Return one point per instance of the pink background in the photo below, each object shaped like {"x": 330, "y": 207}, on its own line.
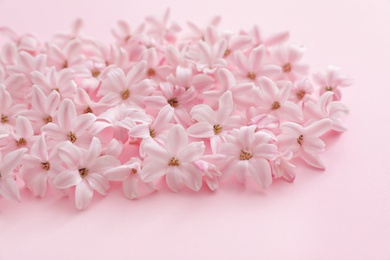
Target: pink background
{"x": 342, "y": 213}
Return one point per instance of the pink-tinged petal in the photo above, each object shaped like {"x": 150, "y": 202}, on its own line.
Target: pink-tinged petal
{"x": 239, "y": 168}
{"x": 338, "y": 126}
{"x": 191, "y": 152}
{"x": 130, "y": 188}
{"x": 52, "y": 102}
{"x": 174, "y": 179}
{"x": 11, "y": 161}
{"x": 140, "y": 131}
{"x": 83, "y": 195}
{"x": 242, "y": 62}
{"x": 70, "y": 154}
{"x": 118, "y": 173}
{"x": 164, "y": 116}
{"x": 23, "y": 127}
{"x": 152, "y": 171}
{"x": 203, "y": 113}
{"x": 39, "y": 185}
{"x": 191, "y": 177}
{"x": 38, "y": 99}
{"x": 157, "y": 152}
{"x": 230, "y": 150}
{"x": 288, "y": 142}
{"x": 313, "y": 160}
{"x": 219, "y": 48}
{"x": 103, "y": 163}
{"x": 39, "y": 149}
{"x": 260, "y": 170}
{"x": 290, "y": 111}
{"x": 319, "y": 128}
{"x": 226, "y": 107}
{"x": 177, "y": 140}
{"x": 94, "y": 151}
{"x": 284, "y": 92}
{"x": 312, "y": 144}
{"x": 292, "y": 128}
{"x": 256, "y": 58}
{"x": 277, "y": 38}
{"x": 66, "y": 114}
{"x": 269, "y": 88}
{"x": 243, "y": 89}
{"x": 201, "y": 130}
{"x": 9, "y": 189}
{"x": 202, "y": 81}
{"x": 54, "y": 131}
{"x": 66, "y": 179}
{"x": 267, "y": 151}
{"x": 295, "y": 53}
{"x": 246, "y": 136}
{"x": 82, "y": 122}
{"x": 98, "y": 183}
{"x": 212, "y": 183}
{"x": 81, "y": 97}
{"x": 98, "y": 126}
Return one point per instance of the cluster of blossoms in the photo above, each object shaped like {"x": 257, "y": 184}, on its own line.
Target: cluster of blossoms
{"x": 191, "y": 109}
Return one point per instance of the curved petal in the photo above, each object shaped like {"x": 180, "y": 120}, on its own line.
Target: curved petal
{"x": 191, "y": 177}
{"x": 140, "y": 131}
{"x": 118, "y": 173}
{"x": 130, "y": 188}
{"x": 201, "y": 130}
{"x": 23, "y": 127}
{"x": 93, "y": 152}
{"x": 83, "y": 195}
{"x": 9, "y": 189}
{"x": 82, "y": 122}
{"x": 177, "y": 139}
{"x": 66, "y": 179}
{"x": 226, "y": 107}
{"x": 256, "y": 58}
{"x": 319, "y": 128}
{"x": 39, "y": 184}
{"x": 267, "y": 151}
{"x": 152, "y": 171}
{"x": 70, "y": 155}
{"x": 173, "y": 178}
{"x": 203, "y": 113}
{"x": 191, "y": 152}
{"x": 11, "y": 161}
{"x": 39, "y": 149}
{"x": 226, "y": 78}
{"x": 66, "y": 114}
{"x": 313, "y": 160}
{"x": 156, "y": 152}
{"x": 98, "y": 183}
{"x": 261, "y": 172}
{"x": 164, "y": 116}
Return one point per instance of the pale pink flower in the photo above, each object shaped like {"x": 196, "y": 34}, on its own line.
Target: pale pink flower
{"x": 130, "y": 89}
{"x": 210, "y": 167}
{"x": 253, "y": 67}
{"x": 132, "y": 185}
{"x": 248, "y": 154}
{"x": 62, "y": 82}
{"x": 214, "y": 124}
{"x": 17, "y": 85}
{"x": 288, "y": 57}
{"x": 325, "y": 107}
{"x": 176, "y": 57}
{"x": 177, "y": 98}
{"x": 207, "y": 58}
{"x": 274, "y": 101}
{"x": 122, "y": 33}
{"x": 272, "y": 40}
{"x": 302, "y": 91}
{"x": 39, "y": 167}
{"x": 332, "y": 80}
{"x": 281, "y": 166}
{"x": 70, "y": 127}
{"x": 22, "y": 136}
{"x": 236, "y": 42}
{"x": 304, "y": 141}
{"x": 85, "y": 169}
{"x": 26, "y": 42}
{"x": 76, "y": 28}
{"x": 27, "y": 63}
{"x": 8, "y": 111}
{"x": 163, "y": 28}
{"x": 43, "y": 108}
{"x": 8, "y": 186}
{"x": 174, "y": 160}
{"x": 155, "y": 68}
{"x": 68, "y": 56}
{"x": 185, "y": 78}
{"x": 198, "y": 33}
{"x": 84, "y": 104}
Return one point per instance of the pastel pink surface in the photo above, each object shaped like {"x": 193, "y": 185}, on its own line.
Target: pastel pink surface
{"x": 341, "y": 213}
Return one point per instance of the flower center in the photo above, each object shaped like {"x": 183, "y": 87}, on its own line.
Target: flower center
{"x": 152, "y": 133}
{"x": 72, "y": 137}
{"x": 301, "y": 94}
{"x": 65, "y": 65}
{"x": 151, "y": 72}
{"x": 134, "y": 171}
{"x": 128, "y": 37}
{"x": 227, "y": 52}
{"x": 4, "y": 118}
{"x": 286, "y": 68}
{"x": 48, "y": 119}
{"x": 45, "y": 166}
{"x": 56, "y": 89}
{"x": 275, "y": 105}
{"x": 328, "y": 88}
{"x": 83, "y": 172}
{"x": 217, "y": 129}
{"x": 88, "y": 110}
{"x": 95, "y": 73}
{"x": 173, "y": 102}
{"x": 245, "y": 155}
{"x": 21, "y": 142}
{"x": 125, "y": 94}
{"x": 173, "y": 162}
{"x": 300, "y": 139}
{"x": 251, "y": 75}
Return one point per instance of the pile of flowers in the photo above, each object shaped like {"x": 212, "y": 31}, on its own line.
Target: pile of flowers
{"x": 190, "y": 108}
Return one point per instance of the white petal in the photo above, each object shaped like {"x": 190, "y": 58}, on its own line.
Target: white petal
{"x": 174, "y": 179}
{"x": 66, "y": 179}
{"x": 191, "y": 152}
{"x": 177, "y": 139}
{"x": 98, "y": 183}
{"x": 9, "y": 189}
{"x": 201, "y": 130}
{"x": 191, "y": 176}
{"x": 152, "y": 171}
{"x": 83, "y": 195}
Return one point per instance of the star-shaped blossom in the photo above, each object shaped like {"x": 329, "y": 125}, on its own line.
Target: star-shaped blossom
{"x": 332, "y": 80}
{"x": 8, "y": 111}
{"x": 175, "y": 160}
{"x": 40, "y": 167}
{"x": 8, "y": 186}
{"x": 214, "y": 124}
{"x": 210, "y": 167}
{"x": 325, "y": 107}
{"x": 304, "y": 141}
{"x": 282, "y": 167}
{"x": 248, "y": 154}
{"x": 274, "y": 101}
{"x": 22, "y": 136}
{"x": 288, "y": 57}
{"x": 85, "y": 169}
{"x": 70, "y": 127}
{"x": 128, "y": 173}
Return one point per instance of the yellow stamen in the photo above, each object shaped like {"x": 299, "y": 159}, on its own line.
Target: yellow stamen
{"x": 245, "y": 155}
{"x": 173, "y": 162}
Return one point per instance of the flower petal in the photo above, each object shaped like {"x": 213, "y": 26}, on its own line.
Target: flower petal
{"x": 177, "y": 139}
{"x": 83, "y": 195}
{"x": 70, "y": 155}
{"x": 191, "y": 176}
{"x": 319, "y": 128}
{"x": 191, "y": 152}
{"x": 267, "y": 151}
{"x": 225, "y": 108}
{"x": 66, "y": 179}
{"x": 157, "y": 152}
{"x": 201, "y": 130}
{"x": 9, "y": 189}
{"x": 11, "y": 161}
{"x": 173, "y": 178}
{"x": 39, "y": 149}
{"x": 313, "y": 160}
{"x": 82, "y": 122}
{"x": 66, "y": 114}
{"x": 260, "y": 170}
{"x": 98, "y": 183}
{"x": 119, "y": 173}
{"x": 23, "y": 127}
{"x": 203, "y": 113}
{"x": 130, "y": 188}
{"x": 93, "y": 152}
{"x": 152, "y": 171}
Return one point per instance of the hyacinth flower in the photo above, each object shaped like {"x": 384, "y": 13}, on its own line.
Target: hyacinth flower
{"x": 332, "y": 80}
{"x": 248, "y": 154}
{"x": 174, "y": 160}
{"x": 85, "y": 171}
{"x": 8, "y": 186}
{"x": 304, "y": 141}
{"x": 289, "y": 59}
{"x": 22, "y": 136}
